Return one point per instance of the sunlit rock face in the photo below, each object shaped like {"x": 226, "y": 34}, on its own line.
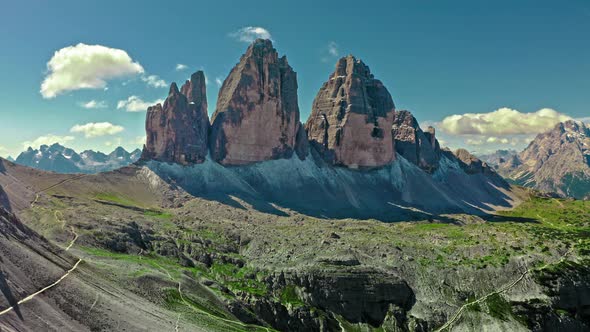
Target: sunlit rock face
{"x": 418, "y": 147}
{"x": 257, "y": 114}
{"x": 177, "y": 131}
{"x": 351, "y": 118}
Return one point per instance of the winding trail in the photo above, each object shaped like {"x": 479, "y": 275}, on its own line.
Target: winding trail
{"x": 32, "y": 296}
{"x": 200, "y": 311}
{"x": 505, "y": 288}
{"x": 37, "y": 195}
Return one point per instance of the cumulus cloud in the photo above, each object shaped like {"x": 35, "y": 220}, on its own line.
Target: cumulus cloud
{"x": 94, "y": 104}
{"x": 97, "y": 129}
{"x": 219, "y": 81}
{"x": 86, "y": 67}
{"x": 47, "y": 140}
{"x": 154, "y": 81}
{"x": 504, "y": 121}
{"x": 181, "y": 67}
{"x": 136, "y": 104}
{"x": 249, "y": 34}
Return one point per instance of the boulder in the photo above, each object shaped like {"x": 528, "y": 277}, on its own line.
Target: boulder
{"x": 418, "y": 147}
{"x": 177, "y": 131}
{"x": 351, "y": 118}
{"x": 257, "y": 113}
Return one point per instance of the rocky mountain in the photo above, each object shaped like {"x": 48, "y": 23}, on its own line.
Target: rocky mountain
{"x": 9, "y": 158}
{"x": 418, "y": 147}
{"x": 354, "y": 138}
{"x": 257, "y": 113}
{"x": 253, "y": 223}
{"x": 498, "y": 157}
{"x": 555, "y": 161}
{"x": 57, "y": 158}
{"x": 351, "y": 117}
{"x": 177, "y": 131}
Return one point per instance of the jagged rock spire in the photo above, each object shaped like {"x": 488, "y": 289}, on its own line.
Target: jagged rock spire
{"x": 257, "y": 114}
{"x": 351, "y": 117}
{"x": 177, "y": 131}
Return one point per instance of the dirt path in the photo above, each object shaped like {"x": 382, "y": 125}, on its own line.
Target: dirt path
{"x": 32, "y": 296}
{"x": 503, "y": 289}
{"x": 197, "y": 310}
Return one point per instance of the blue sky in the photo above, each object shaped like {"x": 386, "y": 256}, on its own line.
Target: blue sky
{"x": 437, "y": 58}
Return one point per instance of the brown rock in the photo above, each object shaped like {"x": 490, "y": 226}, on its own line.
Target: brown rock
{"x": 177, "y": 131}
{"x": 351, "y": 117}
{"x": 471, "y": 164}
{"x": 418, "y": 147}
{"x": 257, "y": 114}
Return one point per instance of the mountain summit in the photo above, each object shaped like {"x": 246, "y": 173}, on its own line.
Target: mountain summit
{"x": 60, "y": 159}
{"x": 555, "y": 161}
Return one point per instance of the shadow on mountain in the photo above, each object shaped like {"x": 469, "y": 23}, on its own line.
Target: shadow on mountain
{"x": 4, "y": 201}
{"x": 5, "y": 289}
{"x": 399, "y": 191}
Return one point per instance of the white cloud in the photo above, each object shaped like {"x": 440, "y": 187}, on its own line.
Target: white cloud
{"x": 97, "y": 129}
{"x": 86, "y": 67}
{"x": 474, "y": 141}
{"x": 504, "y": 121}
{"x": 219, "y": 81}
{"x": 249, "y": 34}
{"x": 181, "y": 67}
{"x": 140, "y": 140}
{"x": 115, "y": 142}
{"x": 136, "y": 104}
{"x": 94, "y": 104}
{"x": 47, "y": 140}
{"x": 333, "y": 48}
{"x": 494, "y": 139}
{"x": 154, "y": 81}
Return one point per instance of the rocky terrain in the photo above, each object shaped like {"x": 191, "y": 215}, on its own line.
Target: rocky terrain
{"x": 557, "y": 161}
{"x": 357, "y": 221}
{"x": 201, "y": 263}
{"x": 57, "y": 158}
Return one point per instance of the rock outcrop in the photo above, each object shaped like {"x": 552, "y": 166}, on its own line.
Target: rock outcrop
{"x": 419, "y": 147}
{"x": 257, "y": 114}
{"x": 177, "y": 131}
{"x": 351, "y": 118}
{"x": 470, "y": 163}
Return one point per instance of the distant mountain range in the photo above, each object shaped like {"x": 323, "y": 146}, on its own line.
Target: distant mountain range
{"x": 556, "y": 161}
{"x": 60, "y": 159}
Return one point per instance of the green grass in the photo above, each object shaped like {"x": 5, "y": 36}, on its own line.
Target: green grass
{"x": 158, "y": 214}
{"x": 289, "y": 296}
{"x": 498, "y": 307}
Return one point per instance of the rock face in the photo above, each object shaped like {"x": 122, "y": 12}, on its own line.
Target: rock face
{"x": 351, "y": 118}
{"x": 257, "y": 114}
{"x": 177, "y": 131}
{"x": 555, "y": 161}
{"x": 471, "y": 164}
{"x": 419, "y": 147}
